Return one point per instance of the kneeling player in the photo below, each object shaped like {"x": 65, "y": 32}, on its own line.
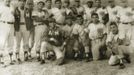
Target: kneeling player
{"x": 53, "y": 42}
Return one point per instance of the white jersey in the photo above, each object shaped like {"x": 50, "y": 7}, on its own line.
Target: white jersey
{"x": 113, "y": 13}
{"x": 87, "y": 12}
{"x": 125, "y": 14}
{"x": 6, "y": 13}
{"x": 58, "y": 15}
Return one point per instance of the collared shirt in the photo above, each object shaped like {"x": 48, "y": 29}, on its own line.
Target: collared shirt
{"x": 101, "y": 12}
{"x": 112, "y": 37}
{"x": 48, "y": 10}
{"x": 80, "y": 10}
{"x": 125, "y": 14}
{"x": 22, "y": 19}
{"x": 113, "y": 13}
{"x": 41, "y": 14}
{"x": 7, "y": 13}
{"x": 77, "y": 29}
{"x": 87, "y": 12}
{"x": 67, "y": 30}
{"x": 95, "y": 30}
{"x": 58, "y": 14}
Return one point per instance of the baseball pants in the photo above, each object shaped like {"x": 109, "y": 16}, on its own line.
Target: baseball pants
{"x": 6, "y": 37}
{"x": 39, "y": 32}
{"x": 23, "y": 34}
{"x": 57, "y": 49}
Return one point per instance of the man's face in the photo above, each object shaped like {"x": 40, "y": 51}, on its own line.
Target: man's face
{"x": 124, "y": 3}
{"x": 40, "y": 5}
{"x": 95, "y": 18}
{"x": 66, "y": 4}
{"x": 69, "y": 21}
{"x": 77, "y": 3}
{"x": 58, "y": 4}
{"x": 7, "y": 2}
{"x": 79, "y": 21}
{"x": 90, "y": 4}
{"x": 51, "y": 25}
{"x": 98, "y": 3}
{"x": 22, "y": 3}
{"x": 111, "y": 3}
{"x": 114, "y": 29}
{"x": 48, "y": 3}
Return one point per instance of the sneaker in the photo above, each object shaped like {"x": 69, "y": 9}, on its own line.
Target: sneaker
{"x": 121, "y": 66}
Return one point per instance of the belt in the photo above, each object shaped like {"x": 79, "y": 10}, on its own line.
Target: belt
{"x": 39, "y": 24}
{"x": 22, "y": 23}
{"x": 125, "y": 22}
{"x": 7, "y": 22}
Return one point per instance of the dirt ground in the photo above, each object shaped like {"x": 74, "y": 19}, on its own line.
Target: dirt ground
{"x": 71, "y": 67}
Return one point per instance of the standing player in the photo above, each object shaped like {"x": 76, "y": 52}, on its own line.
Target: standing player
{"x": 48, "y": 7}
{"x": 125, "y": 18}
{"x": 40, "y": 22}
{"x": 88, "y": 11}
{"x": 77, "y": 32}
{"x": 22, "y": 31}
{"x": 54, "y": 41}
{"x": 101, "y": 11}
{"x": 29, "y": 24}
{"x": 7, "y": 28}
{"x": 58, "y": 13}
{"x": 68, "y": 11}
{"x": 112, "y": 10}
{"x": 96, "y": 31}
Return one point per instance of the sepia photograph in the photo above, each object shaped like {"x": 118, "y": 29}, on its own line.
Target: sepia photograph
{"x": 66, "y": 37}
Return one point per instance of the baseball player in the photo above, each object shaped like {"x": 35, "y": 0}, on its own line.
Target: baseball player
{"x": 66, "y": 6}
{"x": 77, "y": 36}
{"x": 67, "y": 32}
{"x": 58, "y": 13}
{"x": 97, "y": 34}
{"x": 7, "y": 28}
{"x": 120, "y": 49}
{"x": 101, "y": 11}
{"x": 54, "y": 42}
{"x": 48, "y": 7}
{"x": 88, "y": 7}
{"x": 21, "y": 31}
{"x": 40, "y": 22}
{"x": 112, "y": 10}
{"x": 29, "y": 24}
{"x": 125, "y": 18}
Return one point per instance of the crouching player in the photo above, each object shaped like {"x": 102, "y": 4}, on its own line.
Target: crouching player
{"x": 119, "y": 48}
{"x": 97, "y": 34}
{"x": 53, "y": 41}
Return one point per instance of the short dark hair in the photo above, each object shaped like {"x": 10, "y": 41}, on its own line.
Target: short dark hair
{"x": 113, "y": 24}
{"x": 94, "y": 14}
{"x": 79, "y": 16}
{"x": 48, "y": 0}
{"x": 58, "y": 1}
{"x": 41, "y": 2}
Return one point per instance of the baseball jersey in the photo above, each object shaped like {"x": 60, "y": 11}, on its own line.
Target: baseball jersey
{"x": 41, "y": 15}
{"x": 58, "y": 15}
{"x": 77, "y": 29}
{"x": 113, "y": 13}
{"x": 67, "y": 30}
{"x": 87, "y": 12}
{"x": 96, "y": 30}
{"x": 125, "y": 14}
{"x": 101, "y": 12}
{"x": 7, "y": 13}
{"x": 22, "y": 19}
{"x": 112, "y": 37}
{"x": 55, "y": 37}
